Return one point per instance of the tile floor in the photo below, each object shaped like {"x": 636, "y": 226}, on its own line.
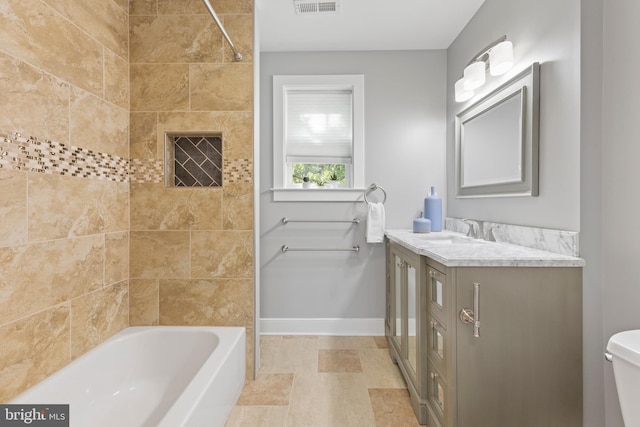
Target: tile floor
{"x": 324, "y": 382}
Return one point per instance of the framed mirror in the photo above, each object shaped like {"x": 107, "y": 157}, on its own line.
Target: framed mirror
{"x": 497, "y": 140}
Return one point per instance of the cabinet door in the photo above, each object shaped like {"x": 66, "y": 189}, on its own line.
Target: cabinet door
{"x": 388, "y": 286}
{"x": 407, "y": 309}
{"x": 413, "y": 309}
{"x": 525, "y": 368}
{"x": 397, "y": 298}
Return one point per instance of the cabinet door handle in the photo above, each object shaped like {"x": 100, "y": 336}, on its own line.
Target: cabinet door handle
{"x": 470, "y": 316}
{"x": 432, "y": 273}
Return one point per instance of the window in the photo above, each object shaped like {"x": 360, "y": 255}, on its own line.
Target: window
{"x": 318, "y": 137}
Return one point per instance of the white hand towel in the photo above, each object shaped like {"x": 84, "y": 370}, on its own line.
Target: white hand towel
{"x": 375, "y": 223}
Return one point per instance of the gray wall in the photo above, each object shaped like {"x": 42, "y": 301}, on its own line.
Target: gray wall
{"x": 566, "y": 38}
{"x": 405, "y": 105}
{"x": 588, "y": 170}
{"x": 607, "y": 174}
{"x": 609, "y": 183}
{"x": 621, "y": 175}
{"x": 546, "y": 31}
{"x": 591, "y": 212}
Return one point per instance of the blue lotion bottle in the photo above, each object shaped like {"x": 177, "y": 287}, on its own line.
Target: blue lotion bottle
{"x": 433, "y": 210}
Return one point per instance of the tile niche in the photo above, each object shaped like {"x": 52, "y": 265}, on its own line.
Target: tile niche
{"x": 193, "y": 159}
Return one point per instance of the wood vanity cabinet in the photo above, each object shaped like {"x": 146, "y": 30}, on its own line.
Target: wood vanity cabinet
{"x": 525, "y": 366}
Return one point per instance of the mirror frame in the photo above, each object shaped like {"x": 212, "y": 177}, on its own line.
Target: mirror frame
{"x": 526, "y": 84}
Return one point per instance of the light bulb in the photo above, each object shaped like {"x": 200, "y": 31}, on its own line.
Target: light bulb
{"x": 474, "y": 75}
{"x": 501, "y": 58}
{"x": 461, "y": 93}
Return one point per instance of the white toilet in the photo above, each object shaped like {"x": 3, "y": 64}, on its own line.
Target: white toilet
{"x": 624, "y": 351}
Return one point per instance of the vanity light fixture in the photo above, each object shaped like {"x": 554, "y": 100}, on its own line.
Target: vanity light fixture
{"x": 497, "y": 58}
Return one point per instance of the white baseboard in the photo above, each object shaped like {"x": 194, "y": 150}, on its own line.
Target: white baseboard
{"x": 337, "y": 327}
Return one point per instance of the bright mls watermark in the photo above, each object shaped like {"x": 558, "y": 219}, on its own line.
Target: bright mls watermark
{"x": 34, "y": 415}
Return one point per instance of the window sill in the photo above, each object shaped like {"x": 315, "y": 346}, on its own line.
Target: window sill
{"x": 318, "y": 194}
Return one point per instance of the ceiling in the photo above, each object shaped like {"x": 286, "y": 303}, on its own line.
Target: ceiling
{"x": 364, "y": 25}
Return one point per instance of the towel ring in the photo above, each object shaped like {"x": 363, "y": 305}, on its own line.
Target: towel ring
{"x": 371, "y": 189}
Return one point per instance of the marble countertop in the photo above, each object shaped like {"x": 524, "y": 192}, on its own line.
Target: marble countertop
{"x": 457, "y": 250}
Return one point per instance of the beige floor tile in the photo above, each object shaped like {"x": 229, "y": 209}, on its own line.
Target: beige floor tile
{"x": 258, "y": 416}
{"x": 330, "y": 400}
{"x": 346, "y": 342}
{"x": 381, "y": 342}
{"x": 276, "y": 338}
{"x": 332, "y": 360}
{"x": 288, "y": 356}
{"x": 391, "y": 408}
{"x": 379, "y": 370}
{"x": 375, "y": 397}
{"x": 267, "y": 390}
{"x": 299, "y": 337}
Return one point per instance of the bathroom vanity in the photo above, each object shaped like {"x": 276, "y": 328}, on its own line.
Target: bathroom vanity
{"x": 485, "y": 334}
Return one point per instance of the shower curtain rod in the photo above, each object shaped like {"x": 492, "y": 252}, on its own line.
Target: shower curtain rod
{"x": 213, "y": 13}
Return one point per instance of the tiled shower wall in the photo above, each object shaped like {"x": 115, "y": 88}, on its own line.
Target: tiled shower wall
{"x": 76, "y": 263}
{"x": 191, "y": 248}
{"x": 64, "y": 240}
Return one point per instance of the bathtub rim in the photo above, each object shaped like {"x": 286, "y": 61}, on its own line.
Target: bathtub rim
{"x": 200, "y": 383}
{"x": 229, "y": 339}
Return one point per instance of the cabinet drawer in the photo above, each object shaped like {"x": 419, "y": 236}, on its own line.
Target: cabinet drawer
{"x": 438, "y": 344}
{"x": 437, "y": 394}
{"x": 438, "y": 295}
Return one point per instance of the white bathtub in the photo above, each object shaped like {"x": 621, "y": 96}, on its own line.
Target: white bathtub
{"x": 165, "y": 376}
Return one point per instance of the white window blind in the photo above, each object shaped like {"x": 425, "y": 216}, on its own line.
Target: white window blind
{"x": 319, "y": 125}
{"x": 318, "y": 121}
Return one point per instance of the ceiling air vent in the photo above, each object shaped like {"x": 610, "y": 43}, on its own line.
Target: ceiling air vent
{"x": 309, "y": 7}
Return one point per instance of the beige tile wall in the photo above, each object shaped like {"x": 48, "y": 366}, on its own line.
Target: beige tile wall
{"x": 64, "y": 240}
{"x": 83, "y": 257}
{"x": 191, "y": 248}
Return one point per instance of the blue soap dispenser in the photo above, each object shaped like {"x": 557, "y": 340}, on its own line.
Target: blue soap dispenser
{"x": 433, "y": 209}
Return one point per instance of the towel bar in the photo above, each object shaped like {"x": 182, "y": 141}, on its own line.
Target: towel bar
{"x": 286, "y": 248}
{"x": 286, "y": 220}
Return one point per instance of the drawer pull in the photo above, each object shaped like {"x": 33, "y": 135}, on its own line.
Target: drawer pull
{"x": 470, "y": 316}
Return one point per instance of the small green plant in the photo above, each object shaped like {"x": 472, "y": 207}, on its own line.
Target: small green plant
{"x": 305, "y": 179}
{"x": 317, "y": 171}
{"x": 320, "y": 183}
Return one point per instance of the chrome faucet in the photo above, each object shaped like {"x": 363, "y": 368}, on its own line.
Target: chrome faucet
{"x": 475, "y": 228}
{"x": 490, "y": 232}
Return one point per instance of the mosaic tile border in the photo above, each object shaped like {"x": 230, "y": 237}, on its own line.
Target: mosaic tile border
{"x": 238, "y": 170}
{"x": 146, "y": 171}
{"x": 44, "y": 156}
{"x": 32, "y": 154}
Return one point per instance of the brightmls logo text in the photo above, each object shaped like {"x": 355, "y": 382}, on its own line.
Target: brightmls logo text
{"x": 34, "y": 415}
